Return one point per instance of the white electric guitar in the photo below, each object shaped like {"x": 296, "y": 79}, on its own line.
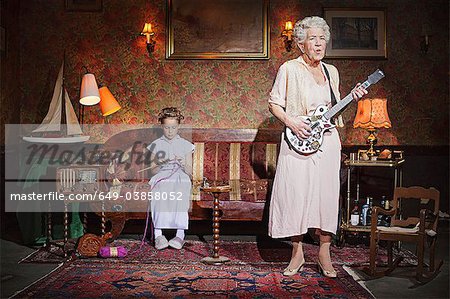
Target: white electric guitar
{"x": 320, "y": 121}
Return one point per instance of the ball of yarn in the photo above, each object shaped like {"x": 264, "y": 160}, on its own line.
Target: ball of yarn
{"x": 118, "y": 251}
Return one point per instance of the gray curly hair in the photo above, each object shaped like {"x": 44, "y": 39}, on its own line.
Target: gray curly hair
{"x": 302, "y": 26}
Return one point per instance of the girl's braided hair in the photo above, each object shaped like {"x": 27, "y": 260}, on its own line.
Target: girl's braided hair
{"x": 170, "y": 112}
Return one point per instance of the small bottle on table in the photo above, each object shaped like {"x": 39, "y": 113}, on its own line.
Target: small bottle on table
{"x": 354, "y": 215}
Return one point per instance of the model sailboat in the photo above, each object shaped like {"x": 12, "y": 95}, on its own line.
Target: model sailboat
{"x": 52, "y": 121}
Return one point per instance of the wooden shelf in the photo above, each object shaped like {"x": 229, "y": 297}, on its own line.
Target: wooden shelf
{"x": 380, "y": 163}
{"x": 355, "y": 228}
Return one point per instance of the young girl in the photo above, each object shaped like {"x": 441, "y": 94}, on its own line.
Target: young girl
{"x": 171, "y": 167}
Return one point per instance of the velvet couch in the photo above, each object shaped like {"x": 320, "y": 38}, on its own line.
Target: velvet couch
{"x": 245, "y": 159}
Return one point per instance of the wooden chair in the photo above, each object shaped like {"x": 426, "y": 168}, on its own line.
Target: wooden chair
{"x": 421, "y": 229}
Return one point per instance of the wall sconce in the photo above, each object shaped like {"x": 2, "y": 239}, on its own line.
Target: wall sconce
{"x": 371, "y": 115}
{"x": 148, "y": 32}
{"x": 425, "y": 42}
{"x": 287, "y": 33}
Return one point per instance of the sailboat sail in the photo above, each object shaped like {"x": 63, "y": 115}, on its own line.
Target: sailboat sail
{"x": 73, "y": 126}
{"x": 52, "y": 121}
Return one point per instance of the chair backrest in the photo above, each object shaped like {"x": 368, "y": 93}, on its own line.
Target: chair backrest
{"x": 418, "y": 197}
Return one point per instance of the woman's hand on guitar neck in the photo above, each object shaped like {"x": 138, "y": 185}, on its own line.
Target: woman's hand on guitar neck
{"x": 300, "y": 127}
{"x": 358, "y": 92}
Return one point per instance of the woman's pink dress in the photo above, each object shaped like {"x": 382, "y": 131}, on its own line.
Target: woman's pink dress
{"x": 305, "y": 192}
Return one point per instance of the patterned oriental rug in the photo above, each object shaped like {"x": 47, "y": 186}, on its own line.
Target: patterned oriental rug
{"x": 253, "y": 272}
{"x": 236, "y": 251}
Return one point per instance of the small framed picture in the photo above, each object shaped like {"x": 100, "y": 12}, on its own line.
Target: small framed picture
{"x": 84, "y": 5}
{"x": 356, "y": 33}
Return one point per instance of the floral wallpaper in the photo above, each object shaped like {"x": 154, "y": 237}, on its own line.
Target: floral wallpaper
{"x": 233, "y": 93}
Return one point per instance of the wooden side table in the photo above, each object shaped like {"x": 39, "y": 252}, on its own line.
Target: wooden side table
{"x": 216, "y": 259}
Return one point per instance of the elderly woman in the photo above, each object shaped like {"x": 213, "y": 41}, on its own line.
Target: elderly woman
{"x": 306, "y": 187}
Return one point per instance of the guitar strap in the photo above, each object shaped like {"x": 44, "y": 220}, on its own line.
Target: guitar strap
{"x": 333, "y": 97}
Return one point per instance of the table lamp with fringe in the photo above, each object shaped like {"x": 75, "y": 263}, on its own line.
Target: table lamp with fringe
{"x": 371, "y": 115}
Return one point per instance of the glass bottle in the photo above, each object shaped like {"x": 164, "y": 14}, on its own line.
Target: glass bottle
{"x": 354, "y": 215}
{"x": 387, "y": 218}
{"x": 387, "y": 204}
{"x": 383, "y": 201}
{"x": 364, "y": 210}
{"x": 380, "y": 220}
{"x": 369, "y": 211}
{"x": 355, "y": 206}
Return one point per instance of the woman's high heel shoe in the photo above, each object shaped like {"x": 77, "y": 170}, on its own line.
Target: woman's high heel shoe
{"x": 290, "y": 272}
{"x": 326, "y": 273}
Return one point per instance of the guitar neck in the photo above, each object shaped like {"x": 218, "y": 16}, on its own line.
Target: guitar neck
{"x": 342, "y": 104}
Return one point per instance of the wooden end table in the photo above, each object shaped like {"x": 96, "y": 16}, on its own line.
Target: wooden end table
{"x": 216, "y": 259}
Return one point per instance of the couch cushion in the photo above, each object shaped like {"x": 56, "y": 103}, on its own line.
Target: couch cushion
{"x": 248, "y": 167}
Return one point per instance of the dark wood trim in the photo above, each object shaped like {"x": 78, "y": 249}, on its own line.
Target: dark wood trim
{"x": 274, "y": 136}
{"x": 235, "y": 135}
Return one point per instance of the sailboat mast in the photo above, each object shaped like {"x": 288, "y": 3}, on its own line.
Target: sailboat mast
{"x": 63, "y": 88}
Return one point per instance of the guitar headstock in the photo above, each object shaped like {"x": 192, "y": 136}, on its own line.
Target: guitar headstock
{"x": 376, "y": 76}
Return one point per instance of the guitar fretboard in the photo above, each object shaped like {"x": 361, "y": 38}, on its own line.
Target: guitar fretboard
{"x": 343, "y": 103}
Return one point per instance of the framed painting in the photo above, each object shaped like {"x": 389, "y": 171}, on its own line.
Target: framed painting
{"x": 356, "y": 33}
{"x": 83, "y": 5}
{"x": 220, "y": 29}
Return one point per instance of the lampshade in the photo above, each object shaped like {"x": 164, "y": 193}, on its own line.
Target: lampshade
{"x": 89, "y": 94}
{"x": 288, "y": 25}
{"x": 147, "y": 29}
{"x": 108, "y": 103}
{"x": 372, "y": 114}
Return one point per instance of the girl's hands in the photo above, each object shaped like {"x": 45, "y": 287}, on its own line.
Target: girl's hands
{"x": 180, "y": 160}
{"x": 162, "y": 161}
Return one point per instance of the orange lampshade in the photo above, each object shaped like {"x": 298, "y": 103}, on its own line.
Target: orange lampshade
{"x": 108, "y": 103}
{"x": 372, "y": 114}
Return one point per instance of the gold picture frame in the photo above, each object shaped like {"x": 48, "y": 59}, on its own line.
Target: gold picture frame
{"x": 220, "y": 29}
{"x": 356, "y": 33}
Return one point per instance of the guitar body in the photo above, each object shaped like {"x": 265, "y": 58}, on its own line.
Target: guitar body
{"x": 319, "y": 125}
{"x": 320, "y": 121}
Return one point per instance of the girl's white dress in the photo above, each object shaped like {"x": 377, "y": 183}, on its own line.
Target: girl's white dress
{"x": 171, "y": 186}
